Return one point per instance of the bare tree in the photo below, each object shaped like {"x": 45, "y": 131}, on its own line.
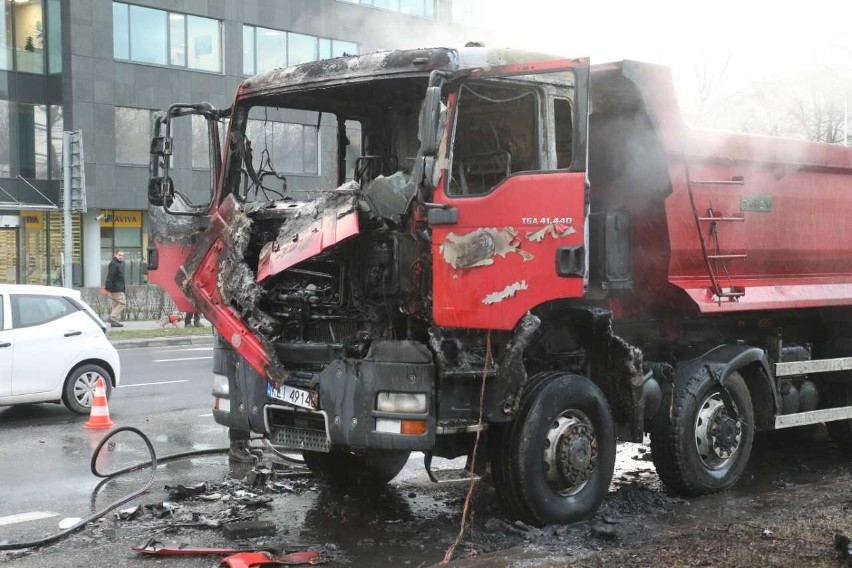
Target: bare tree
{"x": 820, "y": 115}
{"x": 708, "y": 78}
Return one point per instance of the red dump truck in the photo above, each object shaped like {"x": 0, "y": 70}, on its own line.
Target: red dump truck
{"x": 513, "y": 244}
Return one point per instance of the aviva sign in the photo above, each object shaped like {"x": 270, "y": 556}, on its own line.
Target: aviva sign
{"x": 121, "y": 219}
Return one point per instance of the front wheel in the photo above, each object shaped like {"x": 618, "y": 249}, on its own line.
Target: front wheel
{"x": 343, "y": 468}
{"x": 705, "y": 445}
{"x": 554, "y": 463}
{"x": 79, "y": 389}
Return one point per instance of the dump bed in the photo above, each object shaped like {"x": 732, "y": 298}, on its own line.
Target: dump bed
{"x": 721, "y": 221}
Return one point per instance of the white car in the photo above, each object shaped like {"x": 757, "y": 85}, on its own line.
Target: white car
{"x": 53, "y": 347}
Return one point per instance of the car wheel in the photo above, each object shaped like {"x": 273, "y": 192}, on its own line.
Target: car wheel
{"x": 79, "y": 389}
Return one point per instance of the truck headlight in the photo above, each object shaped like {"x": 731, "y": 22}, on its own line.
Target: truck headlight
{"x": 220, "y": 385}
{"x": 401, "y": 402}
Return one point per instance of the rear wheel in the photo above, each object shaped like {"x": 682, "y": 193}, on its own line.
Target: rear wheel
{"x": 369, "y": 468}
{"x": 706, "y": 444}
{"x": 79, "y": 389}
{"x": 554, "y": 462}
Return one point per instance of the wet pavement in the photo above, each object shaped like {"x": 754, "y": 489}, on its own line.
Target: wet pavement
{"x": 412, "y": 522}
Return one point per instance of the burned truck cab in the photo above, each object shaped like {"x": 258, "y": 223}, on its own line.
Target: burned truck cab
{"x": 389, "y": 303}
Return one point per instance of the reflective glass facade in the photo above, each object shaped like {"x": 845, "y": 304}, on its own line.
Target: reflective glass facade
{"x": 265, "y": 49}
{"x": 146, "y": 35}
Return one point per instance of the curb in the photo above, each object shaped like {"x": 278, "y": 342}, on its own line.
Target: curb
{"x": 163, "y": 341}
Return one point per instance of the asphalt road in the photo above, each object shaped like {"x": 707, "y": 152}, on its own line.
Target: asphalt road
{"x": 45, "y": 451}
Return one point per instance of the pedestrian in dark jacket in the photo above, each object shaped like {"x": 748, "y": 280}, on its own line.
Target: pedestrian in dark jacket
{"x": 115, "y": 287}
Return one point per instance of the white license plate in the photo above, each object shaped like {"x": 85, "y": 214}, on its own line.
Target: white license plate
{"x": 291, "y": 395}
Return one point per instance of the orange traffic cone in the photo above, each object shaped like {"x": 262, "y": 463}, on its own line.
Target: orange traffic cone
{"x": 99, "y": 418}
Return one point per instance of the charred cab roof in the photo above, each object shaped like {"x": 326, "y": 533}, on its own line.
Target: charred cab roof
{"x": 383, "y": 64}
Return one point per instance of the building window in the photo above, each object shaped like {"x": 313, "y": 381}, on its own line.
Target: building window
{"x": 289, "y": 148}
{"x": 132, "y": 135}
{"x": 177, "y": 40}
{"x": 147, "y": 35}
{"x": 32, "y": 140}
{"x": 56, "y": 122}
{"x": 421, "y": 8}
{"x": 265, "y": 49}
{"x": 42, "y": 239}
{"x": 54, "y": 36}
{"x": 24, "y": 34}
{"x": 248, "y": 50}
{"x": 204, "y": 44}
{"x": 472, "y": 13}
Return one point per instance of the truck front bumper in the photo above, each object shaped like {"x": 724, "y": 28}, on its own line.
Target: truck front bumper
{"x": 346, "y": 409}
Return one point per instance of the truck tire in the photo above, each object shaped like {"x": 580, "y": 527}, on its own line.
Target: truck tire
{"x": 701, "y": 449}
{"x": 554, "y": 462}
{"x": 342, "y": 468}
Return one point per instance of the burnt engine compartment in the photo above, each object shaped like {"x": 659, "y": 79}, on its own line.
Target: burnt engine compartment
{"x": 333, "y": 305}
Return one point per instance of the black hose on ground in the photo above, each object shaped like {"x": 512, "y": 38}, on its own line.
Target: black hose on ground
{"x": 153, "y": 462}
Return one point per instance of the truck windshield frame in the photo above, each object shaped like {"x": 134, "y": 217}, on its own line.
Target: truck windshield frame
{"x": 387, "y": 110}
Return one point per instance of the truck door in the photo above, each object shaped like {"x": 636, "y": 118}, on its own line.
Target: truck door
{"x": 509, "y": 219}
{"x": 180, "y": 193}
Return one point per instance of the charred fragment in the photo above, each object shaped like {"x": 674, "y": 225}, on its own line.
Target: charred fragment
{"x": 555, "y": 230}
{"x": 479, "y": 247}
{"x": 507, "y": 292}
{"x": 616, "y": 366}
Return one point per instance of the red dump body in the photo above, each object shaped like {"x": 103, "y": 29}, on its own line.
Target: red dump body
{"x": 733, "y": 222}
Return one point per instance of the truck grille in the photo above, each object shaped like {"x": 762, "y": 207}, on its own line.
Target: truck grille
{"x": 287, "y": 437}
{"x": 331, "y": 331}
{"x": 293, "y": 429}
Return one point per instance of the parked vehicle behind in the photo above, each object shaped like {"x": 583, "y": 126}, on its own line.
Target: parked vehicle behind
{"x": 53, "y": 348}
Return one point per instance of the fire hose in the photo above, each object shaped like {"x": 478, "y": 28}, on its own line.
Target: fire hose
{"x": 153, "y": 462}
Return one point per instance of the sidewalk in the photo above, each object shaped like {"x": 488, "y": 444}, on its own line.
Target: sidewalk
{"x": 151, "y": 333}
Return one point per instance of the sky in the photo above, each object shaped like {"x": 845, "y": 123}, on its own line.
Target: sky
{"x": 757, "y": 38}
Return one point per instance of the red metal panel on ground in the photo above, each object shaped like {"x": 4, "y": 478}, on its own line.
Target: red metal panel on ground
{"x": 525, "y": 218}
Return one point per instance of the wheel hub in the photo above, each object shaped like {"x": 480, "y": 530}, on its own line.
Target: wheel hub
{"x": 84, "y": 388}
{"x": 570, "y": 454}
{"x": 717, "y": 434}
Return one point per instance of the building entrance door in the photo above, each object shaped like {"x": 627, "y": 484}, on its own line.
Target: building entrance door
{"x": 9, "y": 266}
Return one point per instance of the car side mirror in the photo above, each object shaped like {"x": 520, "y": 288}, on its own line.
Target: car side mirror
{"x": 161, "y": 191}
{"x": 430, "y": 121}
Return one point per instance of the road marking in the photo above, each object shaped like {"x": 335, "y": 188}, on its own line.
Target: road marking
{"x": 208, "y": 415}
{"x": 188, "y": 349}
{"x": 152, "y": 384}
{"x": 25, "y": 517}
{"x": 181, "y": 359}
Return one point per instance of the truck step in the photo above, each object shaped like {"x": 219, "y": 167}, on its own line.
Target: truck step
{"x": 813, "y": 366}
{"x": 813, "y": 417}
